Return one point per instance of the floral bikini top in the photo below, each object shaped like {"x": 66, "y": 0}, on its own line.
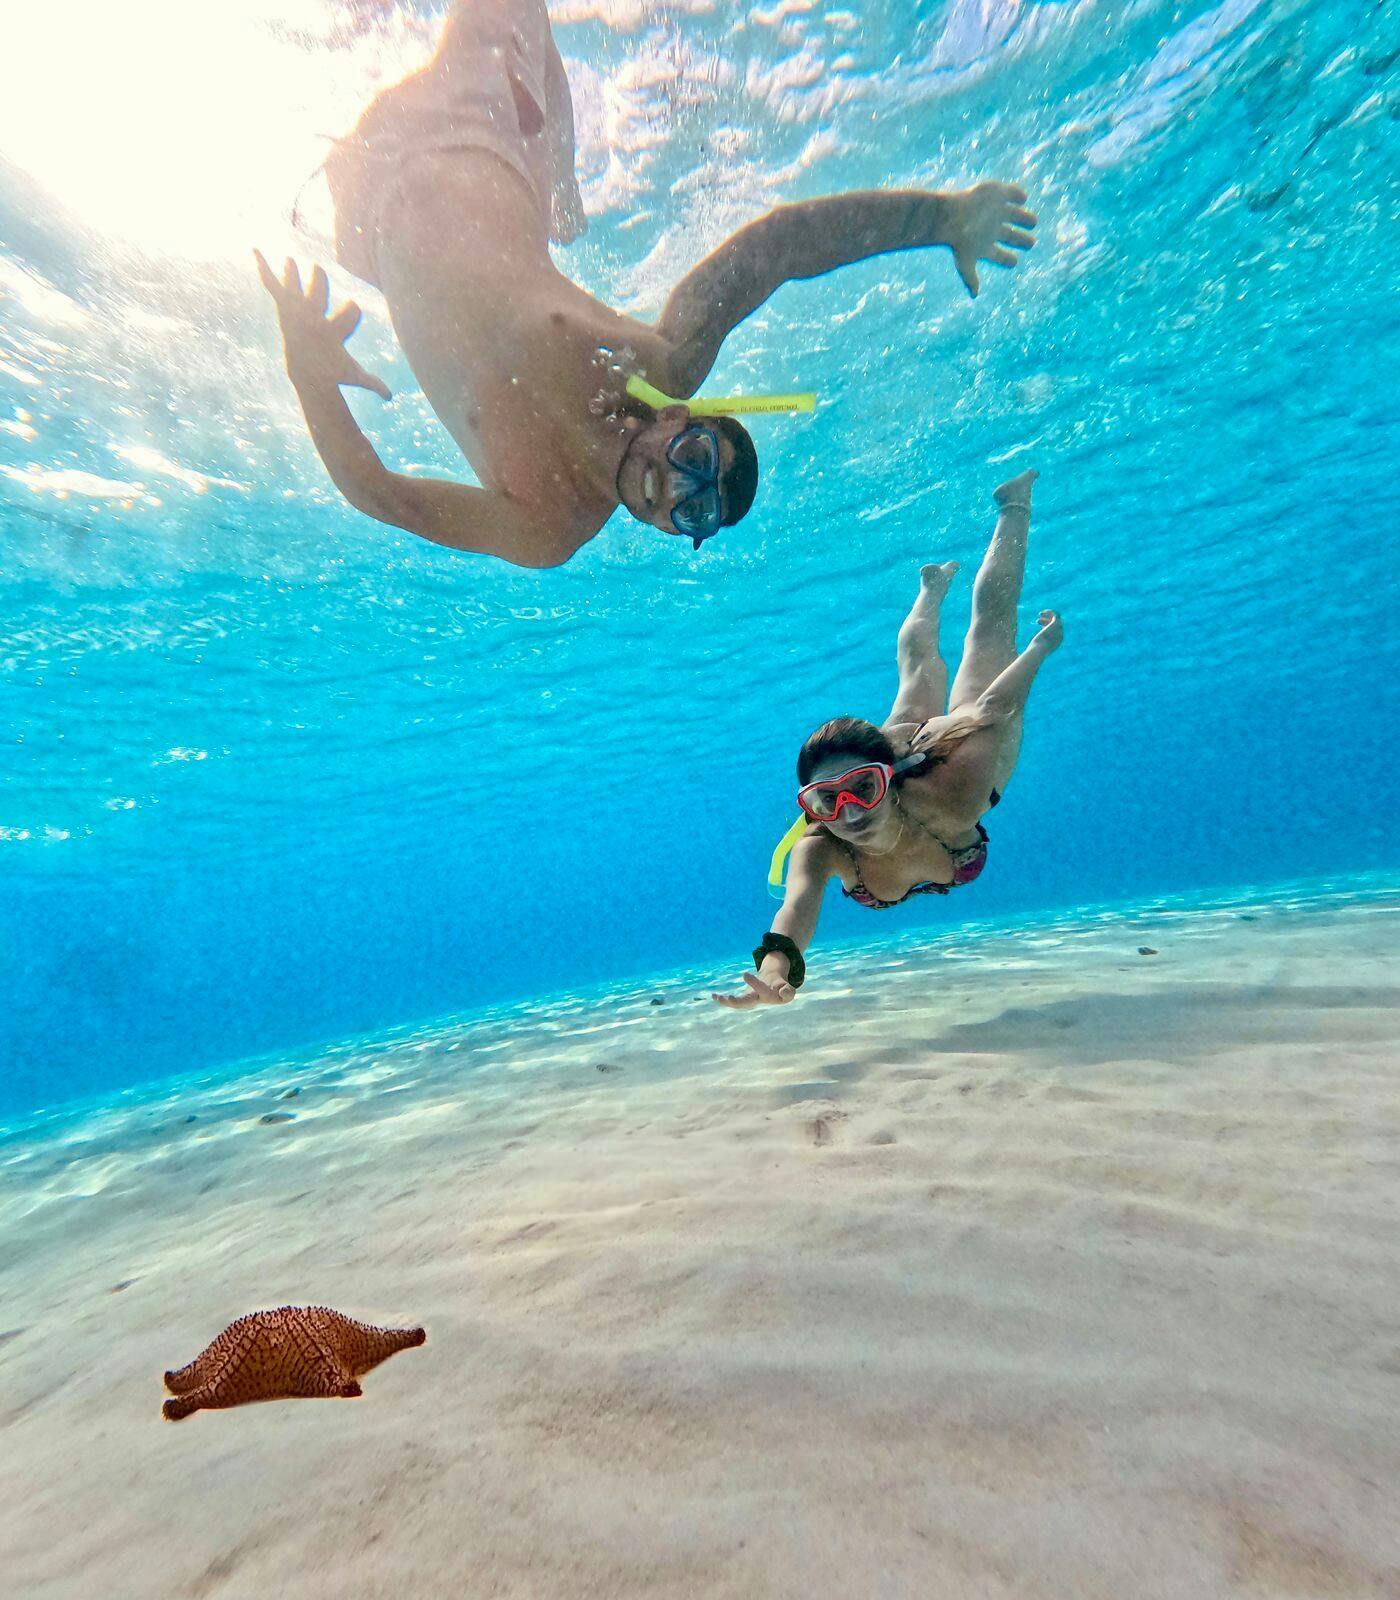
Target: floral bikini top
{"x": 968, "y": 862}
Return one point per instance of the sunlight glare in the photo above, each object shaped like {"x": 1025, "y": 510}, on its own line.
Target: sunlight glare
{"x": 186, "y": 129}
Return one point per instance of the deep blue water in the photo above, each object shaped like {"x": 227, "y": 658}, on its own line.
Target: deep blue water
{"x": 274, "y": 774}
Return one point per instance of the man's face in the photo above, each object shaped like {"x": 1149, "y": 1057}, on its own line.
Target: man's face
{"x": 657, "y": 475}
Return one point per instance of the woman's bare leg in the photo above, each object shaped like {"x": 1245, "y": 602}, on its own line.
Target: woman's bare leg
{"x": 1017, "y": 679}
{"x": 1006, "y": 695}
{"x": 923, "y": 678}
{"x": 983, "y": 765}
{"x": 990, "y": 646}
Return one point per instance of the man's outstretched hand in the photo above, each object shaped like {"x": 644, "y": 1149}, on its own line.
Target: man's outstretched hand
{"x": 314, "y": 342}
{"x": 989, "y": 223}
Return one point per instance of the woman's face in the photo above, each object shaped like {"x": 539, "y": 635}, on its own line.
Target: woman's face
{"x": 876, "y": 828}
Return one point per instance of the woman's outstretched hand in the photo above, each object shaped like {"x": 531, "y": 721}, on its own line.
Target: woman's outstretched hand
{"x": 314, "y": 341}
{"x": 777, "y": 993}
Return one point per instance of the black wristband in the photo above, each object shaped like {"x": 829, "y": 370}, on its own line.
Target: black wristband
{"x": 779, "y": 942}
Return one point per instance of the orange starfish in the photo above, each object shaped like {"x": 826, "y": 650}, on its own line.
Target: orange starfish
{"x": 276, "y": 1355}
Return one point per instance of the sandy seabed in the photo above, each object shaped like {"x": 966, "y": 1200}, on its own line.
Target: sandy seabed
{"x": 1025, "y": 1265}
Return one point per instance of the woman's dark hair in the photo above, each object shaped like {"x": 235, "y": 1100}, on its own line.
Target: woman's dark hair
{"x": 739, "y": 483}
{"x": 845, "y": 736}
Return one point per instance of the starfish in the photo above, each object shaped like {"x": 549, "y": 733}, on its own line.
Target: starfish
{"x": 276, "y": 1355}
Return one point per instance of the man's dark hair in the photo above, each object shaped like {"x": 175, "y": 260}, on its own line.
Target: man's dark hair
{"x": 739, "y": 483}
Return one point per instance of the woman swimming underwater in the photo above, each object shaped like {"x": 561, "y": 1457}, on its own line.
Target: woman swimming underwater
{"x": 896, "y": 811}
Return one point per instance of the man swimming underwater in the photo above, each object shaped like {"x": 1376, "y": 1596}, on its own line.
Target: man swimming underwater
{"x": 447, "y": 194}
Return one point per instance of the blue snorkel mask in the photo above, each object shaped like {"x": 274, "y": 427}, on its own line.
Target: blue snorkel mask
{"x": 694, "y": 453}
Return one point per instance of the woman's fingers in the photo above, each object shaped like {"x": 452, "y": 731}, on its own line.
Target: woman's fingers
{"x": 318, "y": 291}
{"x": 773, "y": 994}
{"x": 760, "y": 994}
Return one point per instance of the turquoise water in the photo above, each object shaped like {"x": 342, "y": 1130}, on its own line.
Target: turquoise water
{"x": 666, "y": 1028}
{"x": 274, "y": 774}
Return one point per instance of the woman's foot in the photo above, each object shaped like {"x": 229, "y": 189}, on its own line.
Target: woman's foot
{"x": 1016, "y": 492}
{"x": 934, "y": 580}
{"x": 1052, "y": 632}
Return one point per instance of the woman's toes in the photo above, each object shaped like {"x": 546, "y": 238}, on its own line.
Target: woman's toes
{"x": 1052, "y": 629}
{"x": 1018, "y": 488}
{"x": 938, "y": 576}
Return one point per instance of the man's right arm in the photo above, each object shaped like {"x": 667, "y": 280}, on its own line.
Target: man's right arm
{"x": 451, "y": 514}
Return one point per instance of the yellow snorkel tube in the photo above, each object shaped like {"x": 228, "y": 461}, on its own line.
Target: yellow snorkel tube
{"x": 732, "y": 405}
{"x": 777, "y": 867}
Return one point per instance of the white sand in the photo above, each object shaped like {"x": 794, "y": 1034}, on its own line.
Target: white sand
{"x": 1043, "y": 1270}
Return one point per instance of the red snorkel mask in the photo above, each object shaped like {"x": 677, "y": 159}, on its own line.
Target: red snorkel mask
{"x": 864, "y": 787}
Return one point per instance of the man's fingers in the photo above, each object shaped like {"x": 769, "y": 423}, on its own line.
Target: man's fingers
{"x": 1014, "y": 191}
{"x": 318, "y": 291}
{"x": 291, "y": 276}
{"x": 345, "y": 321}
{"x": 967, "y": 271}
{"x": 1000, "y": 257}
{"x": 265, "y": 272}
{"x": 1022, "y": 217}
{"x": 367, "y": 380}
{"x": 1016, "y": 238}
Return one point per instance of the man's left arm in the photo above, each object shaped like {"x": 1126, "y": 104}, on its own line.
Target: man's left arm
{"x": 813, "y": 237}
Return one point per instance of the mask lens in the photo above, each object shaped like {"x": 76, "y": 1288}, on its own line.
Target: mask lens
{"x": 818, "y": 802}
{"x": 698, "y": 516}
{"x": 694, "y": 451}
{"x": 867, "y": 787}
